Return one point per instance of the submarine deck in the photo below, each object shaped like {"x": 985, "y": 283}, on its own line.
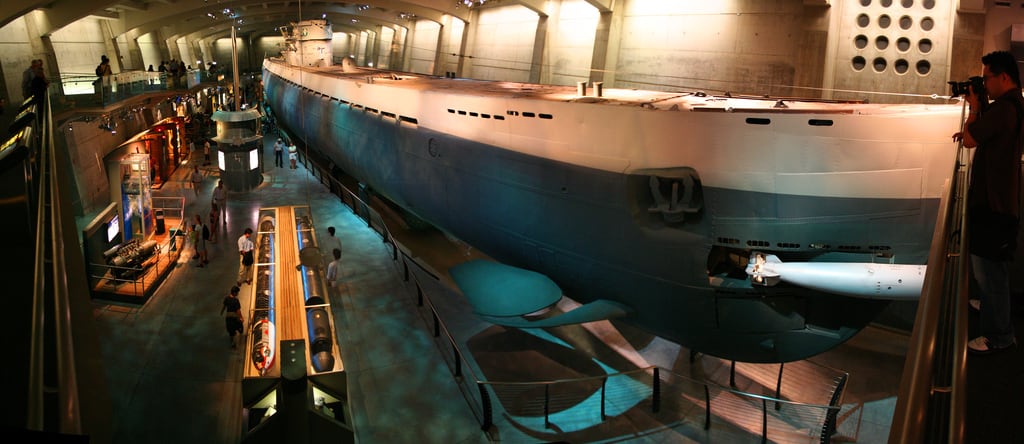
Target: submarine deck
{"x": 653, "y": 100}
{"x": 173, "y": 378}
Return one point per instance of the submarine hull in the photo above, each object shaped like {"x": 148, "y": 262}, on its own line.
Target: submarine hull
{"x": 598, "y": 233}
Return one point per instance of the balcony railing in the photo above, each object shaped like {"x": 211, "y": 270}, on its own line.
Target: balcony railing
{"x": 81, "y": 90}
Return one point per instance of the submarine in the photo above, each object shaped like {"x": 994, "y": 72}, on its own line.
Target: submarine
{"x": 731, "y": 225}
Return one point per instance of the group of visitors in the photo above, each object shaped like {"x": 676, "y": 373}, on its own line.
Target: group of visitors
{"x": 293, "y": 154}
{"x": 33, "y": 80}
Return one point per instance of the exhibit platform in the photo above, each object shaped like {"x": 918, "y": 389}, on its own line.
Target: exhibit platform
{"x": 136, "y": 284}
{"x": 174, "y": 378}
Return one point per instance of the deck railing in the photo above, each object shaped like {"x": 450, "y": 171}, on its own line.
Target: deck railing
{"x": 652, "y": 388}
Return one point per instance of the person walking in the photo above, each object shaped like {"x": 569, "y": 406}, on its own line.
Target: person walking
{"x": 232, "y": 311}
{"x": 293, "y": 155}
{"x": 206, "y": 152}
{"x": 214, "y": 213}
{"x": 993, "y": 196}
{"x": 246, "y": 256}
{"x": 27, "y": 76}
{"x": 202, "y": 235}
{"x": 197, "y": 179}
{"x": 39, "y": 84}
{"x": 331, "y": 242}
{"x": 334, "y": 269}
{"x": 103, "y": 73}
{"x": 220, "y": 199}
{"x": 279, "y": 153}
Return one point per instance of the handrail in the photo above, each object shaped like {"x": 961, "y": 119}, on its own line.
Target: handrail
{"x": 37, "y": 363}
{"x": 66, "y": 390}
{"x": 941, "y": 309}
{"x": 830, "y": 411}
{"x": 706, "y": 383}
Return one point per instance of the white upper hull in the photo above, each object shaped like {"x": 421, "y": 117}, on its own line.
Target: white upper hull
{"x": 867, "y": 151}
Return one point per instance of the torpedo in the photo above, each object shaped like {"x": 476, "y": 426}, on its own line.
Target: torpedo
{"x": 860, "y": 280}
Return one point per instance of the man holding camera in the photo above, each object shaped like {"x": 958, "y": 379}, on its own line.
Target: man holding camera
{"x": 993, "y": 208}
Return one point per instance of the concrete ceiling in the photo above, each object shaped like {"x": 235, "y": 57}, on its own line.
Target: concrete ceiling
{"x": 204, "y": 18}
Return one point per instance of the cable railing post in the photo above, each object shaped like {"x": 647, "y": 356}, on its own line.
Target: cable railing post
{"x": 547, "y": 405}
{"x": 764, "y": 420}
{"x": 458, "y": 357}
{"x": 485, "y": 406}
{"x": 604, "y": 385}
{"x": 778, "y": 388}
{"x": 707, "y": 407}
{"x": 656, "y": 391}
{"x": 732, "y": 374}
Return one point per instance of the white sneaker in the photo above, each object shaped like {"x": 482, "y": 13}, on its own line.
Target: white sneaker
{"x": 980, "y": 346}
{"x": 975, "y": 304}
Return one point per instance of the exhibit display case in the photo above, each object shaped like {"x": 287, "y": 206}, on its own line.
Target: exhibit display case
{"x": 136, "y": 196}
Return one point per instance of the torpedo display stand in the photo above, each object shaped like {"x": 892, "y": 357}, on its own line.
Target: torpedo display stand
{"x": 294, "y": 385}
{"x": 239, "y": 148}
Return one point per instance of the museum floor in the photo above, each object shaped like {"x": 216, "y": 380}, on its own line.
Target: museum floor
{"x": 173, "y": 378}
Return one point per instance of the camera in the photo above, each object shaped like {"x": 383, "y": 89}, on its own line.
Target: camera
{"x": 976, "y": 83}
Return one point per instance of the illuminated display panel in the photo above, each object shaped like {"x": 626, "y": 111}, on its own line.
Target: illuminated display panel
{"x": 113, "y": 228}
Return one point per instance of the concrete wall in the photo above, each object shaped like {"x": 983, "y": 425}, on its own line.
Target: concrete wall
{"x": 503, "y": 47}
{"x": 78, "y": 48}
{"x": 570, "y": 44}
{"x": 780, "y": 47}
{"x": 385, "y": 39}
{"x": 16, "y": 54}
{"x": 151, "y": 53}
{"x": 269, "y": 45}
{"x": 451, "y": 48}
{"x": 186, "y": 54}
{"x": 897, "y": 49}
{"x": 87, "y": 146}
{"x": 222, "y": 55}
{"x": 424, "y": 47}
{"x": 342, "y": 45}
{"x": 744, "y": 47}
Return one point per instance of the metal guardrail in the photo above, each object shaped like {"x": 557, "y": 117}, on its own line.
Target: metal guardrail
{"x": 82, "y": 90}
{"x": 66, "y": 384}
{"x": 932, "y": 400}
{"x": 662, "y": 380}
